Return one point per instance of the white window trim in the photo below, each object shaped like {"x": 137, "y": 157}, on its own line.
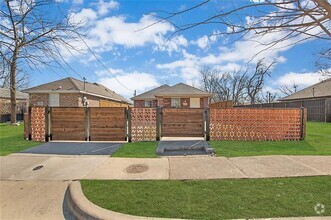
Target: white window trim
{"x": 148, "y": 103}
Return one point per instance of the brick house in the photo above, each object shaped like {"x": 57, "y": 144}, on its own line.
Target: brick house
{"x": 5, "y": 108}
{"x": 71, "y": 92}
{"x": 177, "y": 96}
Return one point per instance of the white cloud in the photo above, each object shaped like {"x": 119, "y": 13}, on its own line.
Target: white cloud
{"x": 202, "y": 42}
{"x": 104, "y": 7}
{"x": 117, "y": 31}
{"x": 139, "y": 81}
{"x": 85, "y": 16}
{"x": 174, "y": 44}
{"x": 205, "y": 41}
{"x": 301, "y": 79}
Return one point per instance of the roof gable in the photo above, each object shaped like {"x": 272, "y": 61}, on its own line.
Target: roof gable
{"x": 182, "y": 89}
{"x": 321, "y": 89}
{"x": 151, "y": 93}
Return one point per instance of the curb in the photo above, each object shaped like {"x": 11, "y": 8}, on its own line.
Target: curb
{"x": 81, "y": 208}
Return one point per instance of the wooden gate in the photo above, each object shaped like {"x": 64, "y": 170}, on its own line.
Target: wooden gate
{"x": 182, "y": 122}
{"x": 94, "y": 124}
{"x": 68, "y": 123}
{"x": 107, "y": 124}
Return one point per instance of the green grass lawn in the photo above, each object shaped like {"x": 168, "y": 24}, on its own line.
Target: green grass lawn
{"x": 317, "y": 142}
{"x": 137, "y": 149}
{"x": 12, "y": 139}
{"x": 213, "y": 199}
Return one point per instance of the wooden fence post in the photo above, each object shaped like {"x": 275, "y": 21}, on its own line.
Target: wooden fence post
{"x": 158, "y": 123}
{"x": 303, "y": 120}
{"x": 207, "y": 124}
{"x": 129, "y": 138}
{"x": 29, "y": 126}
{"x": 47, "y": 123}
{"x": 87, "y": 124}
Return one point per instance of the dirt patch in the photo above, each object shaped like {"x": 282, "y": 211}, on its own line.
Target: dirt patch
{"x": 137, "y": 168}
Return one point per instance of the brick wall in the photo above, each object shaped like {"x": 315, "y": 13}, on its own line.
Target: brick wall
{"x": 167, "y": 102}
{"x": 92, "y": 100}
{"x": 65, "y": 99}
{"x": 204, "y": 102}
{"x": 69, "y": 99}
{"x": 141, "y": 103}
{"x": 36, "y": 98}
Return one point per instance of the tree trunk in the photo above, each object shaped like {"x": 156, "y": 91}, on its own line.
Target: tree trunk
{"x": 13, "y": 108}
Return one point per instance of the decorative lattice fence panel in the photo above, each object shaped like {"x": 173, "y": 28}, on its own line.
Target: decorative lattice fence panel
{"x": 143, "y": 124}
{"x": 255, "y": 124}
{"x": 38, "y": 123}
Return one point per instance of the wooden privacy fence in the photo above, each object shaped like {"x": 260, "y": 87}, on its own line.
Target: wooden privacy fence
{"x": 178, "y": 122}
{"x": 150, "y": 124}
{"x": 257, "y": 124}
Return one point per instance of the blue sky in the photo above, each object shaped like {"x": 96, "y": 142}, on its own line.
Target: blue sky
{"x": 141, "y": 59}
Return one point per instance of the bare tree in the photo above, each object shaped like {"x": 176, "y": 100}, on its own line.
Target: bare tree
{"x": 323, "y": 63}
{"x": 289, "y": 89}
{"x": 224, "y": 86}
{"x": 269, "y": 97}
{"x": 237, "y": 86}
{"x": 32, "y": 35}
{"x": 288, "y": 18}
{"x": 255, "y": 82}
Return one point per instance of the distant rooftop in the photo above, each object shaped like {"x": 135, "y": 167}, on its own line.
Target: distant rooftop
{"x": 179, "y": 89}
{"x": 72, "y": 84}
{"x": 5, "y": 93}
{"x": 319, "y": 90}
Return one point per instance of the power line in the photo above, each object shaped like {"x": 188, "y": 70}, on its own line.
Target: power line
{"x": 96, "y": 57}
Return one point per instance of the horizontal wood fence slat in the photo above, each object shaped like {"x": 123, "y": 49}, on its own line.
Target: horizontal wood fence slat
{"x": 68, "y": 123}
{"x": 182, "y": 122}
{"x": 107, "y": 124}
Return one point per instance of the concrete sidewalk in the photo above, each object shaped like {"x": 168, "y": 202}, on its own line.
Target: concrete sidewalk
{"x": 32, "y": 199}
{"x": 22, "y": 167}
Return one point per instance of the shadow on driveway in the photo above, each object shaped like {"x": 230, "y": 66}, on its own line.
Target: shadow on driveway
{"x": 75, "y": 148}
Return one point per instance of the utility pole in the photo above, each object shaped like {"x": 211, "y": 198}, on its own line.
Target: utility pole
{"x": 84, "y": 82}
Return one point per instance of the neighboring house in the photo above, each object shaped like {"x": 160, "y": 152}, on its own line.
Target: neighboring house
{"x": 177, "y": 96}
{"x": 316, "y": 99}
{"x": 71, "y": 92}
{"x": 21, "y": 104}
{"x": 316, "y": 91}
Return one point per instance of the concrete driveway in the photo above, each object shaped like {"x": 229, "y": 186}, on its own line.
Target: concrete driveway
{"x": 75, "y": 148}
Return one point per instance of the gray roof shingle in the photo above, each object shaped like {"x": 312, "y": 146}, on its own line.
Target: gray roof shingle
{"x": 182, "y": 89}
{"x": 5, "y": 93}
{"x": 72, "y": 84}
{"x": 179, "y": 89}
{"x": 151, "y": 93}
{"x": 321, "y": 89}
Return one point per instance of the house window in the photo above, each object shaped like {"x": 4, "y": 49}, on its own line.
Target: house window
{"x": 148, "y": 103}
{"x": 54, "y": 100}
{"x": 194, "y": 102}
{"x": 175, "y": 102}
